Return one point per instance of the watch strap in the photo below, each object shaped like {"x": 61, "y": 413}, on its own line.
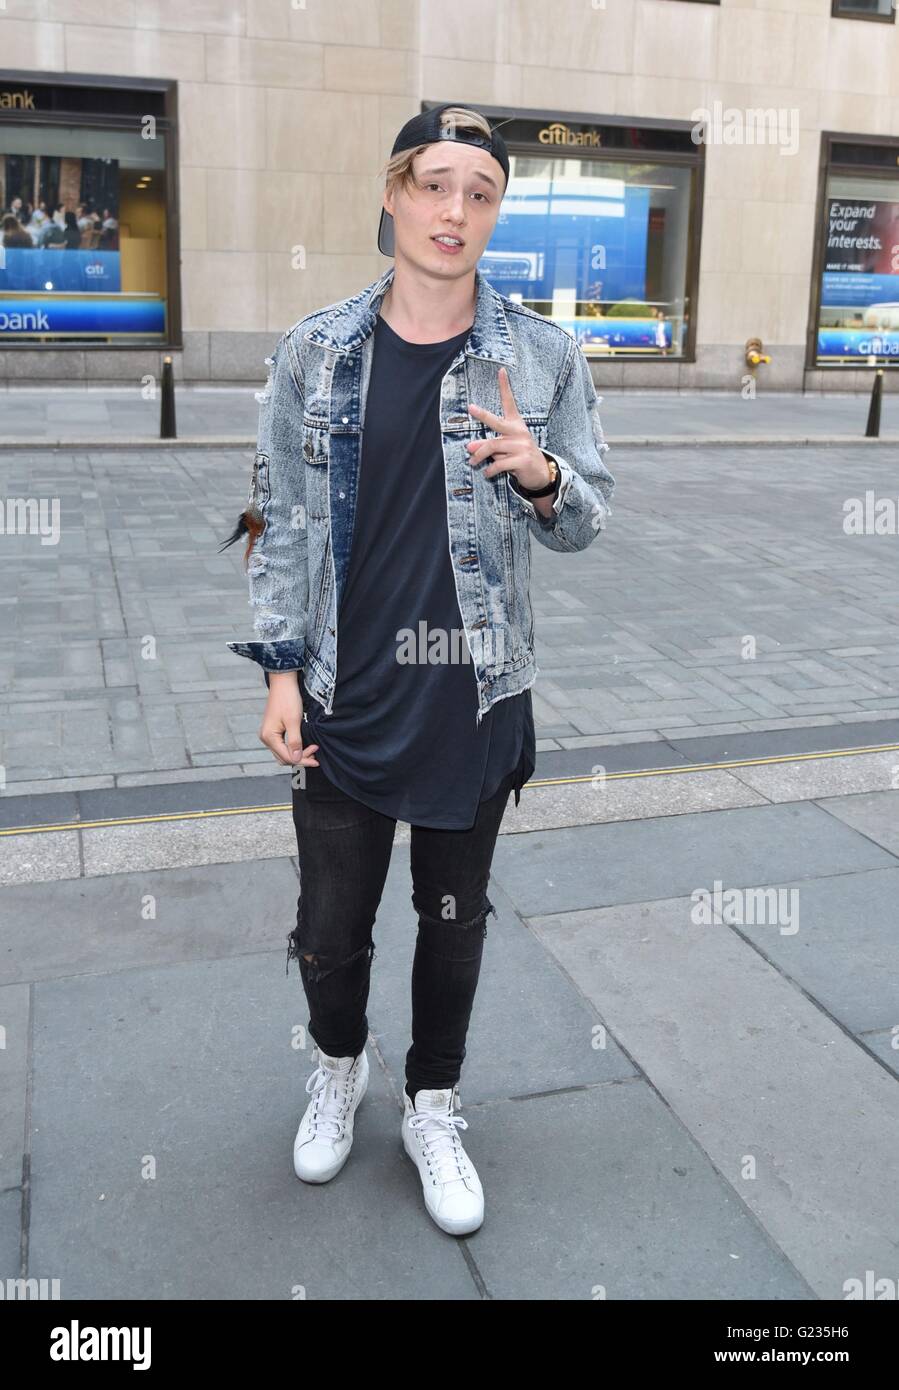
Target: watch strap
{"x": 551, "y": 486}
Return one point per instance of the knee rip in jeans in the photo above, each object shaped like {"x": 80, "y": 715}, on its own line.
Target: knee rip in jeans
{"x": 479, "y": 921}
{"x": 314, "y": 961}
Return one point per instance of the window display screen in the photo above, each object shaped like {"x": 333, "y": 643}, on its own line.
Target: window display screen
{"x": 83, "y": 245}
{"x": 600, "y": 247}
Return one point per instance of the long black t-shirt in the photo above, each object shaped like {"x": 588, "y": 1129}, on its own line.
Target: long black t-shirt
{"x": 402, "y": 736}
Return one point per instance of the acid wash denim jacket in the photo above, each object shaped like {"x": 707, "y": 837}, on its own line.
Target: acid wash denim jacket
{"x": 305, "y": 476}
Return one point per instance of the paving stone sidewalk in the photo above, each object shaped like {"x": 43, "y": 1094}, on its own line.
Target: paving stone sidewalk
{"x": 723, "y": 597}
{"x": 103, "y": 413}
{"x": 658, "y": 1109}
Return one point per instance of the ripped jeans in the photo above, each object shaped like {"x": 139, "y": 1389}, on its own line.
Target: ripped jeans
{"x": 344, "y": 854}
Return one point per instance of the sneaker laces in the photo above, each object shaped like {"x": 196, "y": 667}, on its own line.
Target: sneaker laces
{"x": 330, "y": 1091}
{"x": 442, "y": 1144}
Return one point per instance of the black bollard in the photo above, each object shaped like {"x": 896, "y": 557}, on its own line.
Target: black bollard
{"x": 167, "y": 409}
{"x": 872, "y": 429}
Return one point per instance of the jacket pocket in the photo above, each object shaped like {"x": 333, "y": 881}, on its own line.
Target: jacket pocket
{"x": 316, "y": 455}
{"x": 316, "y": 438}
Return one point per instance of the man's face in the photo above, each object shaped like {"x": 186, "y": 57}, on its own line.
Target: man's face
{"x": 456, "y": 196}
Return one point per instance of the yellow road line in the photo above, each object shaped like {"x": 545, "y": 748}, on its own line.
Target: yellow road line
{"x": 542, "y": 782}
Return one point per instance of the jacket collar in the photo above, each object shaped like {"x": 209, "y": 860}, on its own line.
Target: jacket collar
{"x": 354, "y": 319}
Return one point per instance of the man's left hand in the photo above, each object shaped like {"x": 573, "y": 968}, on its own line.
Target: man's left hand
{"x": 515, "y": 450}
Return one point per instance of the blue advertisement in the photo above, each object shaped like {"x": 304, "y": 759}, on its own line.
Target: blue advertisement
{"x": 621, "y": 334}
{"x": 857, "y": 342}
{"x": 90, "y": 315}
{"x": 848, "y": 288}
{"x": 55, "y": 269}
{"x": 586, "y": 235}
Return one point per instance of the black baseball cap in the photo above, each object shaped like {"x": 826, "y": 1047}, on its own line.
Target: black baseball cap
{"x": 425, "y": 129}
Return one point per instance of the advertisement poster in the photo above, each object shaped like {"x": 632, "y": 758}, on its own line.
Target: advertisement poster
{"x": 860, "y": 280}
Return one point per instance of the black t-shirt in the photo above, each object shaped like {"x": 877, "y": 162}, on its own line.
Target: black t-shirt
{"x": 402, "y": 736}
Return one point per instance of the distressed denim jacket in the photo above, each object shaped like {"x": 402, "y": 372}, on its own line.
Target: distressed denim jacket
{"x": 305, "y": 484}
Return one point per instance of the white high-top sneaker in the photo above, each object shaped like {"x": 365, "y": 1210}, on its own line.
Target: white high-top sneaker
{"x": 325, "y": 1135}
{"x": 452, "y": 1189}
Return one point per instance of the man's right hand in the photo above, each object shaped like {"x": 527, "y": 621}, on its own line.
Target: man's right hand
{"x": 282, "y": 719}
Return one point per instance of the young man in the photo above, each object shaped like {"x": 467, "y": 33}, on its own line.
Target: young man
{"x": 412, "y": 439}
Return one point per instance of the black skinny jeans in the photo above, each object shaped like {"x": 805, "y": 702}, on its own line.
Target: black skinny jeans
{"x": 344, "y": 853}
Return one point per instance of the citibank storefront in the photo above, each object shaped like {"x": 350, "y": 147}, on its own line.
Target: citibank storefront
{"x": 599, "y": 229}
{"x": 88, "y": 196}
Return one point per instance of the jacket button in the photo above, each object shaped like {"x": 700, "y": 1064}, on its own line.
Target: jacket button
{"x": 307, "y": 449}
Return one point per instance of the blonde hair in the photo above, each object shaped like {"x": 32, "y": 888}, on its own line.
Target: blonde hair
{"x": 398, "y": 169}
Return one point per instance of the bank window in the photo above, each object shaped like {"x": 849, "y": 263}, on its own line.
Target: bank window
{"x": 865, "y": 9}
{"x": 858, "y": 317}
{"x": 600, "y": 246}
{"x": 83, "y": 255}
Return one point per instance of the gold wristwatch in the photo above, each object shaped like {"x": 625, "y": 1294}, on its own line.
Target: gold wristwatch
{"x": 550, "y": 486}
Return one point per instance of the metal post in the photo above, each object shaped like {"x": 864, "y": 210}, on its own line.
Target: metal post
{"x": 872, "y": 429}
{"x": 167, "y": 410}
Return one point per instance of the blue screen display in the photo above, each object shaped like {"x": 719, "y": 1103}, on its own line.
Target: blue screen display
{"x": 856, "y": 289}
{"x": 587, "y": 236}
{"x": 857, "y": 342}
{"x": 92, "y": 315}
{"x": 51, "y": 268}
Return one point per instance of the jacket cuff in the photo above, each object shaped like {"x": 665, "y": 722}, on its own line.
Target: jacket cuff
{"x": 272, "y": 656}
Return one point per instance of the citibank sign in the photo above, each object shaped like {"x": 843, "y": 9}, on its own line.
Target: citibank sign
{"x": 558, "y": 133}
{"x": 23, "y": 101}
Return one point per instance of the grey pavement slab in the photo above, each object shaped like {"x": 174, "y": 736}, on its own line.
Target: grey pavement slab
{"x": 15, "y": 1016}
{"x": 174, "y": 1095}
{"x": 120, "y": 849}
{"x": 799, "y": 1119}
{"x": 530, "y": 1030}
{"x": 601, "y": 1193}
{"x": 618, "y": 1168}
{"x": 610, "y": 799}
{"x": 874, "y": 815}
{"x": 10, "y": 1233}
{"x": 40, "y": 857}
{"x": 578, "y": 762}
{"x": 178, "y": 1123}
{"x": 778, "y": 741}
{"x": 840, "y": 775}
{"x": 52, "y": 809}
{"x": 154, "y": 917}
{"x": 596, "y": 866}
{"x": 885, "y": 1043}
{"x": 845, "y": 950}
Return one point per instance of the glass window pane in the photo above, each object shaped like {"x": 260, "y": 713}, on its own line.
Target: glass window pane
{"x": 866, "y": 7}
{"x": 83, "y": 253}
{"x": 600, "y": 247}
{"x": 858, "y": 319}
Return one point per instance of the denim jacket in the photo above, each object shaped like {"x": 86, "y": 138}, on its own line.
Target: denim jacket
{"x": 304, "y": 484}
